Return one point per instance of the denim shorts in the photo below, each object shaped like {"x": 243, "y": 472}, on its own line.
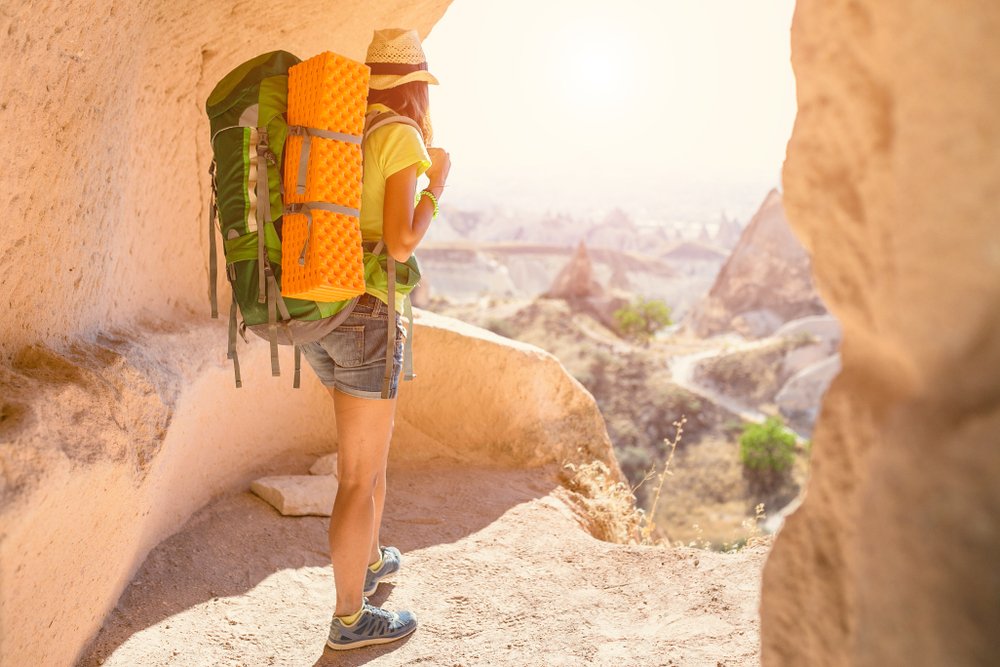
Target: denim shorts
{"x": 352, "y": 356}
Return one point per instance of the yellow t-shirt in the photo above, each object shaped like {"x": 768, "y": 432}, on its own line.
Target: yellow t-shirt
{"x": 387, "y": 150}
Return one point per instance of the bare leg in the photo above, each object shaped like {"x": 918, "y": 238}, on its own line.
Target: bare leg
{"x": 364, "y": 427}
{"x": 379, "y": 499}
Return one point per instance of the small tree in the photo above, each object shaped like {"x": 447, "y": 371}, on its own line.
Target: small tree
{"x": 767, "y": 448}
{"x": 641, "y": 319}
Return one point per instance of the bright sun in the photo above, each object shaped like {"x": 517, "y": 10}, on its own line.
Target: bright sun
{"x": 592, "y": 65}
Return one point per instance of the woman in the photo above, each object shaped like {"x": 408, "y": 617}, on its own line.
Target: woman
{"x": 351, "y": 360}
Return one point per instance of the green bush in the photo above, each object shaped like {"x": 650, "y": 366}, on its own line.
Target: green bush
{"x": 642, "y": 318}
{"x": 767, "y": 447}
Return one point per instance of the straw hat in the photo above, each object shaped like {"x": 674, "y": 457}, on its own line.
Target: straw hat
{"x": 395, "y": 57}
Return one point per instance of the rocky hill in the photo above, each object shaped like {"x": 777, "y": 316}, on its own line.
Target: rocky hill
{"x": 765, "y": 282}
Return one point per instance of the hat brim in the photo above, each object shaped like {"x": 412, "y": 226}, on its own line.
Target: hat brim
{"x": 386, "y": 81}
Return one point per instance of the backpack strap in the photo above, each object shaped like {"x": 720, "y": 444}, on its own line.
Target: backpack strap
{"x": 262, "y": 207}
{"x": 408, "y": 373}
{"x": 231, "y": 354}
{"x": 307, "y": 133}
{"x": 390, "y": 348}
{"x": 307, "y": 208}
{"x": 213, "y": 262}
{"x": 268, "y": 285}
{"x": 298, "y": 367}
{"x": 275, "y": 305}
{"x": 376, "y": 119}
{"x": 373, "y": 121}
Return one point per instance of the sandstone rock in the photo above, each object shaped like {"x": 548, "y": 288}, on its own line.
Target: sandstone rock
{"x": 800, "y": 397}
{"x": 694, "y": 251}
{"x": 118, "y": 380}
{"x": 325, "y": 465}
{"x": 422, "y": 294}
{"x": 803, "y": 357}
{"x": 766, "y": 280}
{"x": 825, "y": 328}
{"x": 891, "y": 182}
{"x": 298, "y": 495}
{"x": 168, "y": 57}
{"x": 576, "y": 279}
{"x": 728, "y": 234}
{"x": 467, "y": 377}
{"x": 756, "y": 323}
{"x": 619, "y": 278}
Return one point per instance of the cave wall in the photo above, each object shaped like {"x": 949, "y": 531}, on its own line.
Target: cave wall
{"x": 892, "y": 181}
{"x": 118, "y": 417}
{"x": 103, "y": 114}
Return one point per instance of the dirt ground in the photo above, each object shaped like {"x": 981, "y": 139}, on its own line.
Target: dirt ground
{"x": 495, "y": 567}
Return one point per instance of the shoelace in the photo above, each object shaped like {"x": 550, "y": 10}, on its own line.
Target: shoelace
{"x": 382, "y": 615}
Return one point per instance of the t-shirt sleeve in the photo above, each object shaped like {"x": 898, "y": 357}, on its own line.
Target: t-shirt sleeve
{"x": 400, "y": 145}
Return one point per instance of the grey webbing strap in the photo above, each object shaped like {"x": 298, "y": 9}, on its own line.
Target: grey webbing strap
{"x": 273, "y": 285}
{"x": 263, "y": 211}
{"x": 390, "y": 348}
{"x": 408, "y": 347}
{"x": 275, "y": 305}
{"x": 342, "y": 314}
{"x": 232, "y": 343}
{"x": 272, "y": 322}
{"x": 306, "y": 209}
{"x": 298, "y": 367}
{"x": 213, "y": 262}
{"x": 307, "y": 133}
{"x": 300, "y": 180}
{"x": 380, "y": 120}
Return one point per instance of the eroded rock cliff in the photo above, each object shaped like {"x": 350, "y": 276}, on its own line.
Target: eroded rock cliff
{"x": 891, "y": 182}
{"x": 764, "y": 283}
{"x": 104, "y": 109}
{"x": 118, "y": 415}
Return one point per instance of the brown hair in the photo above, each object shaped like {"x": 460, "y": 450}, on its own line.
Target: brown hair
{"x": 409, "y": 99}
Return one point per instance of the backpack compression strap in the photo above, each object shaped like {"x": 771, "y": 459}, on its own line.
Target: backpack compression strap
{"x": 373, "y": 121}
{"x": 307, "y": 133}
{"x": 213, "y": 262}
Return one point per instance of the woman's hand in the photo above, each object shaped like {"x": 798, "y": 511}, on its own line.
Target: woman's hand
{"x": 440, "y": 166}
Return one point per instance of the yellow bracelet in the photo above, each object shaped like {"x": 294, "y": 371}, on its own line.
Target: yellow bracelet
{"x": 433, "y": 200}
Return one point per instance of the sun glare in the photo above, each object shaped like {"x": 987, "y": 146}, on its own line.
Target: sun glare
{"x": 655, "y": 99}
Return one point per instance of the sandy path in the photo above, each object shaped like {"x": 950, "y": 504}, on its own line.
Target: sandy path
{"x": 682, "y": 371}
{"x": 495, "y": 567}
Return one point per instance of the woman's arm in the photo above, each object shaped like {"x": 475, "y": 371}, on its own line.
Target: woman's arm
{"x": 403, "y": 224}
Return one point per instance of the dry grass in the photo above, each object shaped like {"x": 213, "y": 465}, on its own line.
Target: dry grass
{"x": 608, "y": 507}
{"x": 609, "y": 512}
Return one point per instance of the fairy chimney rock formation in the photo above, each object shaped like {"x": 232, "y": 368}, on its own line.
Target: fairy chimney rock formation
{"x": 576, "y": 279}
{"x": 765, "y": 282}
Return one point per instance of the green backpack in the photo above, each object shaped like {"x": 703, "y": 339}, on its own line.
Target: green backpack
{"x": 246, "y": 112}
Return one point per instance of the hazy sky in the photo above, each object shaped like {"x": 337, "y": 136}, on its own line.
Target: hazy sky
{"x": 678, "y": 105}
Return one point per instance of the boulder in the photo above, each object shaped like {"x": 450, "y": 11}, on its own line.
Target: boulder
{"x": 800, "y": 398}
{"x": 765, "y": 282}
{"x": 825, "y": 328}
{"x": 298, "y": 495}
{"x": 325, "y": 465}
{"x": 755, "y": 323}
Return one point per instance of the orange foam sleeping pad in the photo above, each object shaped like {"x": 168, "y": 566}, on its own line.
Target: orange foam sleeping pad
{"x": 326, "y": 92}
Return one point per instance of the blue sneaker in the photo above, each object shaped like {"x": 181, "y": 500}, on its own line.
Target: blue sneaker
{"x": 374, "y": 626}
{"x": 391, "y": 560}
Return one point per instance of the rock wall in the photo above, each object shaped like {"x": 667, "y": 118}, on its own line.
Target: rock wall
{"x": 892, "y": 182}
{"x": 109, "y": 447}
{"x": 103, "y": 107}
{"x": 764, "y": 283}
{"x": 118, "y": 416}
